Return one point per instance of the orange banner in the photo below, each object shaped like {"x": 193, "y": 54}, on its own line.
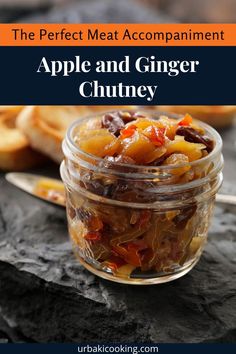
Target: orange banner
{"x": 117, "y": 34}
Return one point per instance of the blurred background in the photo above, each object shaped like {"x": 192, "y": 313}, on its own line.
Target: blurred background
{"x": 78, "y": 11}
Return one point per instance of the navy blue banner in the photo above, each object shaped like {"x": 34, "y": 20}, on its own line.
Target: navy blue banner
{"x": 138, "y": 75}
{"x": 118, "y": 348}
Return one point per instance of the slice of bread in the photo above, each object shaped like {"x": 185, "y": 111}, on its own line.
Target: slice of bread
{"x": 11, "y": 109}
{"x": 45, "y": 126}
{"x": 15, "y": 151}
{"x": 217, "y": 116}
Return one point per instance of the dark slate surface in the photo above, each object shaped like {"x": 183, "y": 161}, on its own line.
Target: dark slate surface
{"x": 46, "y": 296}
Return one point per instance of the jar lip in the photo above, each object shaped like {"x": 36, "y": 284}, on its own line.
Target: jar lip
{"x": 215, "y": 135}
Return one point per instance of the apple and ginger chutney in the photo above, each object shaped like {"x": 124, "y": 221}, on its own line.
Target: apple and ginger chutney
{"x": 140, "y": 191}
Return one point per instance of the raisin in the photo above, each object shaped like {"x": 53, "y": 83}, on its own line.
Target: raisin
{"x": 114, "y": 190}
{"x": 110, "y": 190}
{"x": 145, "y": 217}
{"x": 130, "y": 116}
{"x": 113, "y": 122}
{"x": 71, "y": 212}
{"x": 192, "y": 136}
{"x": 91, "y": 184}
{"x": 83, "y": 214}
{"x": 159, "y": 161}
{"x": 91, "y": 221}
{"x": 185, "y": 215}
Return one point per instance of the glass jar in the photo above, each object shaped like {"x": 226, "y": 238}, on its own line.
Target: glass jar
{"x": 139, "y": 224}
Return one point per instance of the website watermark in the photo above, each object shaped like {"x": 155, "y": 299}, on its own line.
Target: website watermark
{"x": 119, "y": 348}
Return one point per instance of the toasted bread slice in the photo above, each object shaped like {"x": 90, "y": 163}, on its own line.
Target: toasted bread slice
{"x": 11, "y": 109}
{"x": 45, "y": 126}
{"x": 110, "y": 108}
{"x": 217, "y": 116}
{"x": 15, "y": 151}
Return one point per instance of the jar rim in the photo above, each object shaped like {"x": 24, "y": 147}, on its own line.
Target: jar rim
{"x": 153, "y": 115}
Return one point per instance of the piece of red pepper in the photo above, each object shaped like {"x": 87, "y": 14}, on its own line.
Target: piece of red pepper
{"x": 130, "y": 252}
{"x": 128, "y": 132}
{"x": 115, "y": 262}
{"x": 186, "y": 121}
{"x": 133, "y": 248}
{"x": 93, "y": 236}
{"x": 157, "y": 135}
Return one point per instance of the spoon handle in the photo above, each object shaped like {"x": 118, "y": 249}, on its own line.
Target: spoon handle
{"x": 226, "y": 199}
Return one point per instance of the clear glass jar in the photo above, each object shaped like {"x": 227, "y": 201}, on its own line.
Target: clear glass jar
{"x": 139, "y": 224}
